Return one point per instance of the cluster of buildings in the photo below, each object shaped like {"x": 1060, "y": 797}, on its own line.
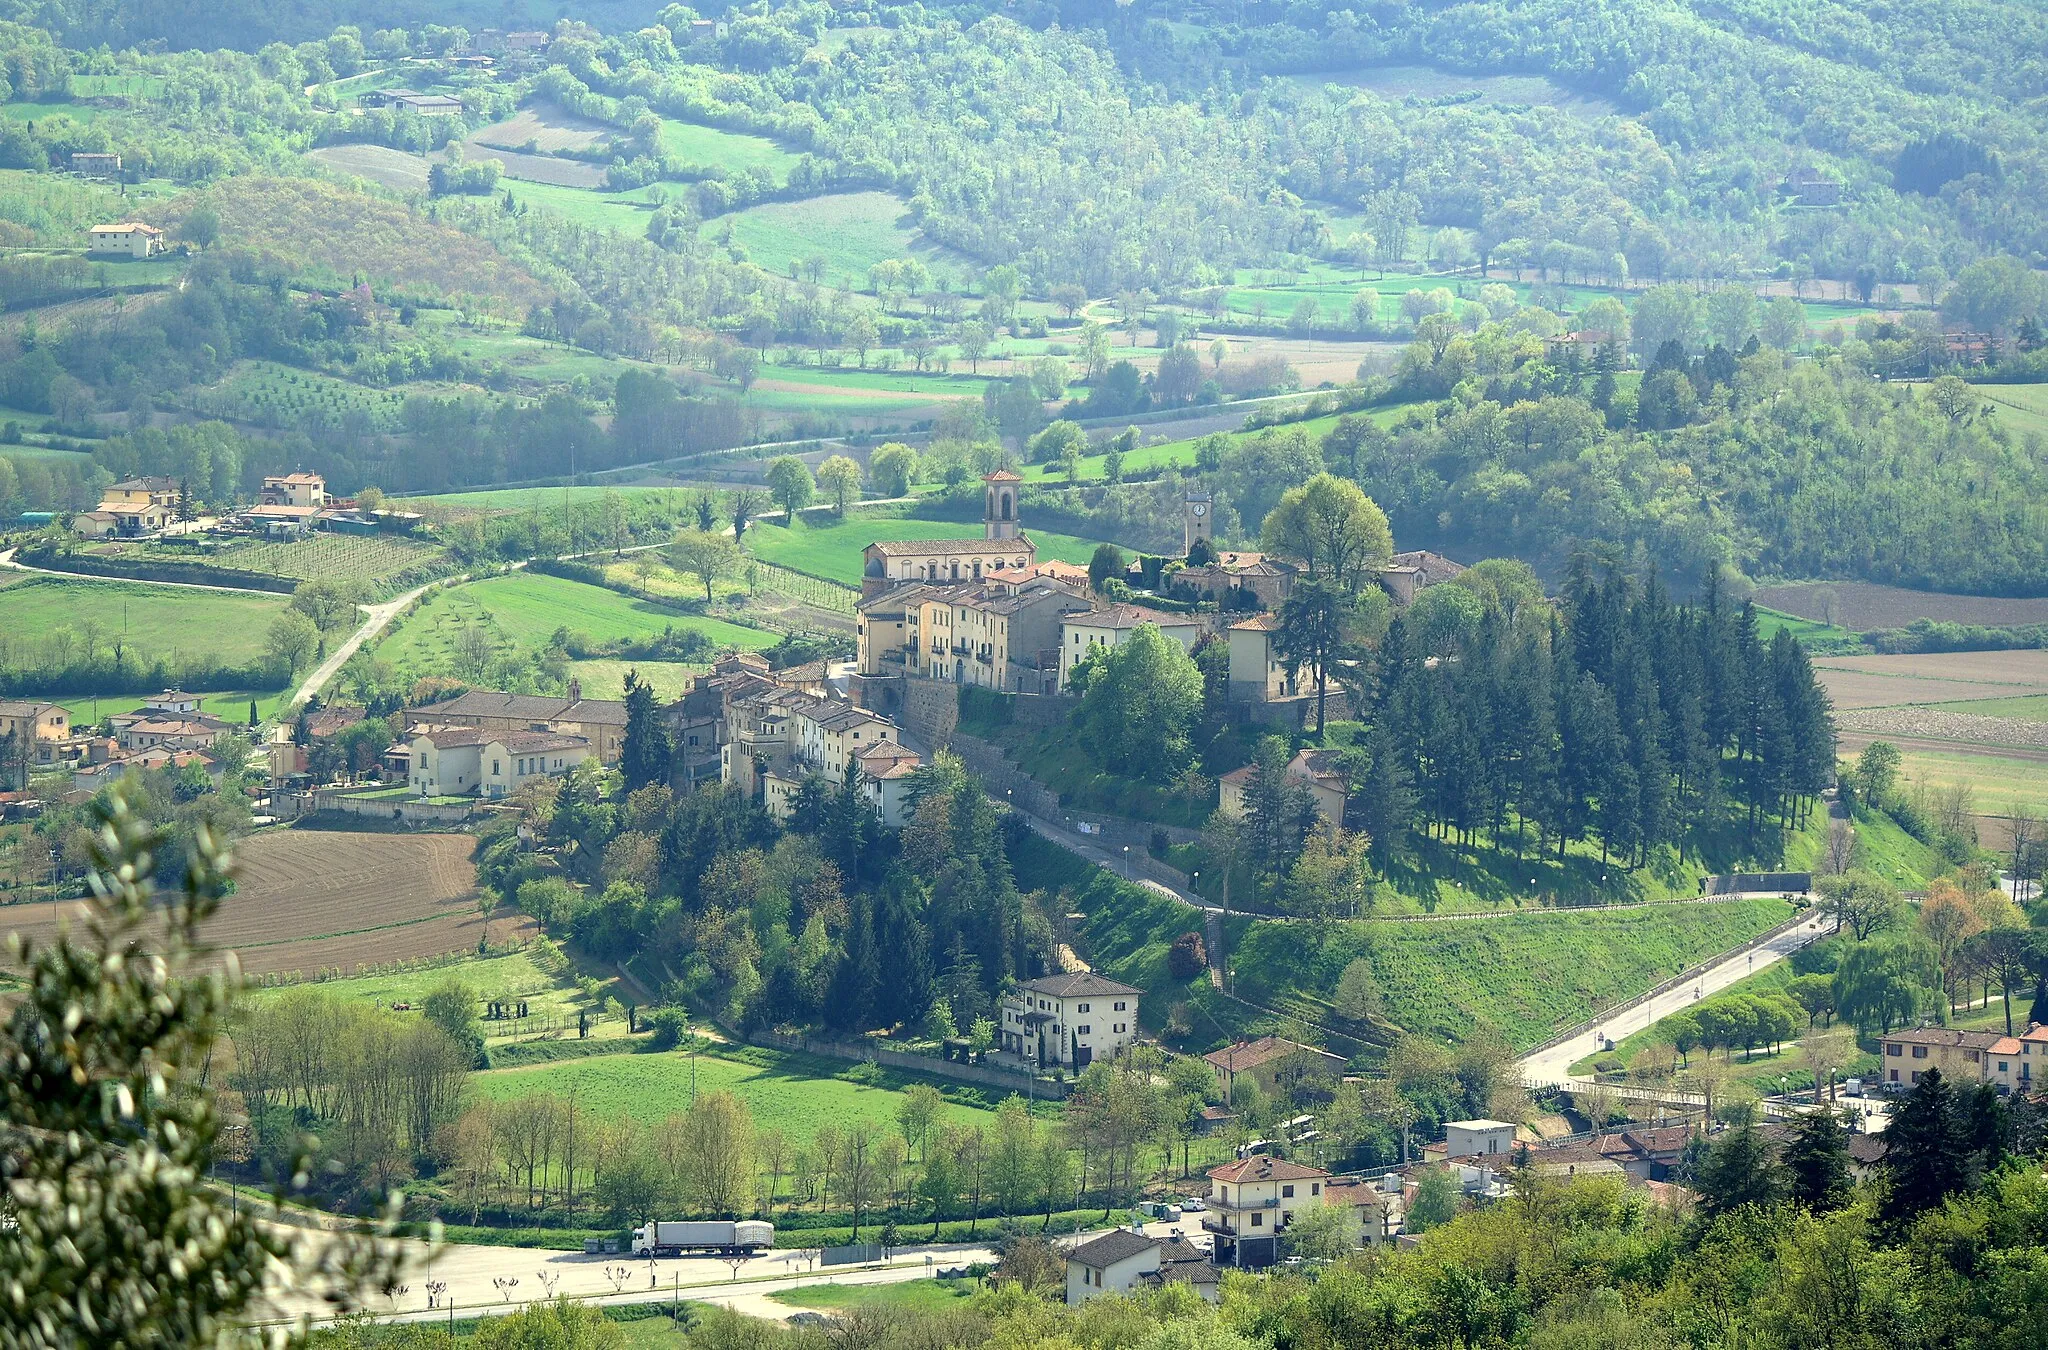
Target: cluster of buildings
{"x": 2011, "y": 1064}
{"x": 287, "y": 506}
{"x": 167, "y": 731}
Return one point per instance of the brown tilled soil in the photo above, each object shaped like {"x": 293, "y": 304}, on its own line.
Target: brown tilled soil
{"x": 1861, "y": 605}
{"x": 1944, "y": 725}
{"x": 305, "y": 899}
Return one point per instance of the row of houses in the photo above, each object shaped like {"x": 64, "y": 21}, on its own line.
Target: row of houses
{"x": 287, "y": 505}
{"x": 2010, "y": 1064}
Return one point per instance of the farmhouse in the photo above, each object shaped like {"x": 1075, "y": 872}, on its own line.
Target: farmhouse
{"x": 1266, "y": 580}
{"x": 462, "y": 762}
{"x": 94, "y": 776}
{"x": 91, "y": 164}
{"x": 600, "y": 721}
{"x": 1406, "y": 575}
{"x": 34, "y": 727}
{"x": 1252, "y": 1201}
{"x": 884, "y": 770}
{"x": 130, "y": 239}
{"x": 405, "y": 100}
{"x": 133, "y": 506}
{"x": 293, "y": 489}
{"x": 1271, "y": 1062}
{"x": 1082, "y": 634}
{"x": 1069, "y": 1020}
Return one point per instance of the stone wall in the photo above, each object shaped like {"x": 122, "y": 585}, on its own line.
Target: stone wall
{"x": 931, "y": 711}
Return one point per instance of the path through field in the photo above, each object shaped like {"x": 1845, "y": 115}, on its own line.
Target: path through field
{"x": 375, "y": 617}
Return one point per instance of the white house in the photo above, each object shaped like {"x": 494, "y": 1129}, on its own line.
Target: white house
{"x": 462, "y": 761}
{"x": 1122, "y": 1260}
{"x": 1069, "y": 1020}
{"x": 1081, "y": 634}
{"x": 130, "y": 239}
{"x": 1251, "y": 1202}
{"x": 1257, "y": 674}
{"x": 1478, "y": 1138}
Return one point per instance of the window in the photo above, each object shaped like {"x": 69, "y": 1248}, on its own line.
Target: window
{"x": 1258, "y": 1220}
{"x": 1973, "y": 1056}
{"x": 1893, "y": 1050}
{"x": 1120, "y": 1028}
{"x": 1315, "y": 1188}
{"x": 1083, "y": 1008}
{"x": 1120, "y": 1006}
{"x": 1287, "y": 1192}
{"x": 1084, "y": 1031}
{"x": 2004, "y": 1067}
{"x": 1919, "y": 1052}
{"x": 1895, "y": 1075}
{"x": 1916, "y": 1075}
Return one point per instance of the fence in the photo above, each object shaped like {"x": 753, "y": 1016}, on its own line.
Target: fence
{"x": 983, "y": 1075}
{"x": 1788, "y": 883}
{"x": 857, "y": 1254}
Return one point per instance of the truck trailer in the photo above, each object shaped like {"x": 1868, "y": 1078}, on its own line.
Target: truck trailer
{"x": 722, "y": 1237}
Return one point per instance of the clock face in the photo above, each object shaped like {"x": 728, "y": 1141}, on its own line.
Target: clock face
{"x": 1201, "y": 508}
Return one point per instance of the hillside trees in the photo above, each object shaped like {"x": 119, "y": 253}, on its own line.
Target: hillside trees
{"x": 1142, "y": 698}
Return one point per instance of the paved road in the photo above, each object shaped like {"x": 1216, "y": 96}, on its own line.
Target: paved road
{"x": 472, "y": 1274}
{"x": 375, "y": 617}
{"x": 1552, "y": 1063}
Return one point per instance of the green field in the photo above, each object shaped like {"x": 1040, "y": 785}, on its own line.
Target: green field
{"x": 1769, "y": 621}
{"x": 156, "y": 621}
{"x": 852, "y": 231}
{"x": 2024, "y": 708}
{"x": 230, "y": 707}
{"x": 718, "y": 149}
{"x": 788, "y": 1092}
{"x": 607, "y": 679}
{"x": 1182, "y": 452}
{"x": 523, "y": 611}
{"x": 626, "y": 212}
{"x": 1999, "y": 781}
{"x": 832, "y": 551}
{"x": 2021, "y": 407}
{"x": 544, "y": 499}
{"x": 917, "y": 1295}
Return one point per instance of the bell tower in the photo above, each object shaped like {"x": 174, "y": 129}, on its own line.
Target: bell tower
{"x": 999, "y": 505}
{"x": 1195, "y": 520}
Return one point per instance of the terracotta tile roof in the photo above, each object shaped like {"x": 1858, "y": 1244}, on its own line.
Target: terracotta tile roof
{"x": 1130, "y": 616}
{"x": 1264, "y": 1168}
{"x": 1258, "y": 623}
{"x": 1247, "y": 1055}
{"x": 1945, "y": 1036}
{"x": 912, "y": 548}
{"x": 1076, "y": 986}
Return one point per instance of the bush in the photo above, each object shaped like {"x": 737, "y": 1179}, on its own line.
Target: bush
{"x": 1187, "y": 957}
{"x": 669, "y": 1025}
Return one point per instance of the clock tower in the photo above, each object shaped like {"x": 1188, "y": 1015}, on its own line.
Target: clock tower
{"x": 1195, "y": 520}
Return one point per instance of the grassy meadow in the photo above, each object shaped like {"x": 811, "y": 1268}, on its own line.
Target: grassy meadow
{"x": 832, "y": 551}
{"x": 789, "y": 1092}
{"x": 852, "y": 231}
{"x": 152, "y": 620}
{"x": 523, "y": 610}
{"x": 721, "y": 149}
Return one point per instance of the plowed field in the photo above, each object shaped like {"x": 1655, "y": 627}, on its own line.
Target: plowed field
{"x": 308, "y": 899}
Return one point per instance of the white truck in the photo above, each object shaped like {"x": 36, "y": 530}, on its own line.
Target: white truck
{"x": 721, "y": 1237}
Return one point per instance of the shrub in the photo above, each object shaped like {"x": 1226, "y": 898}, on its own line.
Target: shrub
{"x": 1187, "y": 958}
{"x": 669, "y": 1026}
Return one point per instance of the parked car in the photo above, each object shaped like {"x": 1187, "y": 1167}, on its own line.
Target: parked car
{"x": 1194, "y": 1204}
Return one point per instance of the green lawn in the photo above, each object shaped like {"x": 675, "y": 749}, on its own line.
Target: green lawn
{"x": 832, "y": 551}
{"x": 180, "y": 625}
{"x": 715, "y": 148}
{"x": 788, "y": 1092}
{"x": 852, "y": 231}
{"x": 523, "y": 610}
{"x": 546, "y": 499}
{"x": 607, "y": 679}
{"x": 1999, "y": 781}
{"x": 1769, "y": 621}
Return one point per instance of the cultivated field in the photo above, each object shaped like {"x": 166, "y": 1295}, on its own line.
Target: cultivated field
{"x": 1944, "y": 677}
{"x": 1861, "y": 605}
{"x": 379, "y": 164}
{"x": 311, "y": 899}
{"x": 545, "y": 127}
{"x": 270, "y": 394}
{"x": 832, "y": 551}
{"x": 156, "y": 621}
{"x": 573, "y": 173}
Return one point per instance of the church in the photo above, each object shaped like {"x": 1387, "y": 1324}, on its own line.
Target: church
{"x": 1003, "y": 551}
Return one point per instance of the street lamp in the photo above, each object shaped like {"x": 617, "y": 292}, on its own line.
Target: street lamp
{"x": 1127, "y": 862}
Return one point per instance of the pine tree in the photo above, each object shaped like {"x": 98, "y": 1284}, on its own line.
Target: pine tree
{"x": 1816, "y": 1159}
{"x": 645, "y": 752}
{"x": 1739, "y": 1170}
{"x": 1925, "y": 1160}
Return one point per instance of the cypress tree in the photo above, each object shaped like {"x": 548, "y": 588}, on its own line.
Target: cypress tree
{"x": 1816, "y": 1159}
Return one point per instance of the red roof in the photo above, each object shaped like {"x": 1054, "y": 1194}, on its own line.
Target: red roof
{"x": 1264, "y": 1168}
